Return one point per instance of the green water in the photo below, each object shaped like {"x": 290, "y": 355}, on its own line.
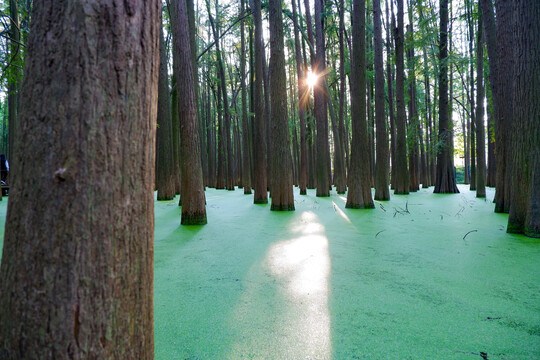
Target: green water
{"x": 325, "y": 282}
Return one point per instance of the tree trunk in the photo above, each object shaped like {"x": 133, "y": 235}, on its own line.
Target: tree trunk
{"x": 524, "y": 217}
{"x": 175, "y": 135}
{"x": 14, "y": 77}
{"x": 259, "y": 150}
{"x": 359, "y": 182}
{"x": 401, "y": 183}
{"x": 446, "y": 179}
{"x": 193, "y": 199}
{"x": 303, "y": 100}
{"x": 414, "y": 181}
{"x": 382, "y": 191}
{"x": 390, "y": 96}
{"x": 480, "y": 133}
{"x": 88, "y": 163}
{"x": 341, "y": 183}
{"x": 165, "y": 172}
{"x": 282, "y": 182}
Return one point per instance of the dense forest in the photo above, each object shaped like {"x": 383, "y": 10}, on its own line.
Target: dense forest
{"x": 105, "y": 102}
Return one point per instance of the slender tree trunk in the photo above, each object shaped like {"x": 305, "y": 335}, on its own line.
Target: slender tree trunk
{"x": 303, "y": 100}
{"x": 480, "y": 133}
{"x": 390, "y": 76}
{"x": 90, "y": 239}
{"x": 382, "y": 191}
{"x": 259, "y": 150}
{"x": 414, "y": 183}
{"x": 14, "y": 76}
{"x": 524, "y": 217}
{"x": 401, "y": 183}
{"x": 165, "y": 184}
{"x": 446, "y": 179}
{"x": 341, "y": 185}
{"x": 246, "y": 173}
{"x": 282, "y": 181}
{"x": 359, "y": 194}
{"x": 175, "y": 125}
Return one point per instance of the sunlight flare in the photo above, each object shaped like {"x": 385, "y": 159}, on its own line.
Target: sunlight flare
{"x": 311, "y": 79}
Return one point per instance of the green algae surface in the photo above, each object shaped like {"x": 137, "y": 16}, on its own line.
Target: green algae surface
{"x": 422, "y": 276}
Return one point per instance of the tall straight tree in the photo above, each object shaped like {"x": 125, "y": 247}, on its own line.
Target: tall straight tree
{"x": 524, "y": 217}
{"x": 382, "y": 191}
{"x": 281, "y": 185}
{"x": 193, "y": 199}
{"x": 165, "y": 183}
{"x": 259, "y": 174}
{"x": 401, "y": 182}
{"x": 320, "y": 109}
{"x": 480, "y": 128}
{"x": 303, "y": 99}
{"x": 246, "y": 163}
{"x": 359, "y": 194}
{"x": 88, "y": 162}
{"x": 446, "y": 179}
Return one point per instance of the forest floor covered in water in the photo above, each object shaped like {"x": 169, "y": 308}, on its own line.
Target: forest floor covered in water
{"x": 422, "y": 276}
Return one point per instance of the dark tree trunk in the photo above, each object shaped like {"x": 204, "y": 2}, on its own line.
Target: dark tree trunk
{"x": 382, "y": 191}
{"x": 165, "y": 184}
{"x": 246, "y": 173}
{"x": 401, "y": 182}
{"x": 446, "y": 179}
{"x": 14, "y": 76}
{"x": 341, "y": 185}
{"x": 303, "y": 100}
{"x": 359, "y": 182}
{"x": 480, "y": 133}
{"x": 390, "y": 95}
{"x": 175, "y": 135}
{"x": 414, "y": 181}
{"x": 193, "y": 199}
{"x": 282, "y": 182}
{"x": 490, "y": 178}
{"x": 259, "y": 149}
{"x": 505, "y": 67}
{"x": 88, "y": 163}
{"x": 321, "y": 117}
{"x": 524, "y": 215}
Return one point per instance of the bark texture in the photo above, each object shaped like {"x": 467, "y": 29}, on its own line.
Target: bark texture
{"x": 445, "y": 177}
{"x": 282, "y": 180}
{"x": 359, "y": 181}
{"x": 76, "y": 278}
{"x": 382, "y": 191}
{"x": 193, "y": 199}
{"x": 259, "y": 149}
{"x": 165, "y": 184}
{"x": 480, "y": 127}
{"x": 524, "y": 214}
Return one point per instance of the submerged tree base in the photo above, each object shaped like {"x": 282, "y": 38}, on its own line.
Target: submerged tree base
{"x": 194, "y": 219}
{"x": 260, "y": 201}
{"x": 282, "y": 207}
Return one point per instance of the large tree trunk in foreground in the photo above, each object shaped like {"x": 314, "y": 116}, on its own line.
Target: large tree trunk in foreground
{"x": 77, "y": 271}
{"x": 193, "y": 199}
{"x": 446, "y": 179}
{"x": 165, "y": 184}
{"x": 259, "y": 149}
{"x": 524, "y": 217}
{"x": 359, "y": 181}
{"x": 401, "y": 182}
{"x": 382, "y": 191}
{"x": 281, "y": 186}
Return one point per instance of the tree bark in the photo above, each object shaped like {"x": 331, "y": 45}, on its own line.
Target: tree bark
{"x": 246, "y": 173}
{"x": 524, "y": 217}
{"x": 259, "y": 150}
{"x": 165, "y": 172}
{"x": 282, "y": 182}
{"x": 446, "y": 180}
{"x": 359, "y": 182}
{"x": 85, "y": 154}
{"x": 401, "y": 183}
{"x": 193, "y": 199}
{"x": 382, "y": 191}
{"x": 480, "y": 132}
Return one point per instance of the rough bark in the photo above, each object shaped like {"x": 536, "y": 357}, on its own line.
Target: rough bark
{"x": 414, "y": 181}
{"x": 480, "y": 132}
{"x": 193, "y": 199}
{"x": 259, "y": 149}
{"x": 446, "y": 180}
{"x": 401, "y": 182}
{"x": 524, "y": 217}
{"x": 382, "y": 191}
{"x": 390, "y": 76}
{"x": 341, "y": 183}
{"x": 246, "y": 173}
{"x": 359, "y": 182}
{"x": 303, "y": 100}
{"x": 14, "y": 76}
{"x": 165, "y": 171}
{"x": 85, "y": 154}
{"x": 282, "y": 181}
